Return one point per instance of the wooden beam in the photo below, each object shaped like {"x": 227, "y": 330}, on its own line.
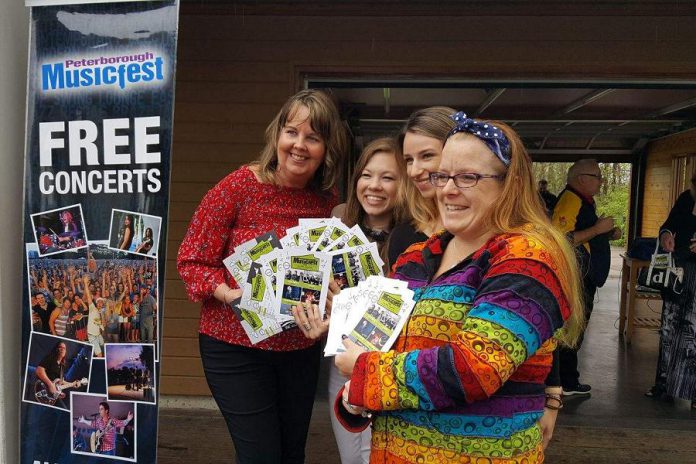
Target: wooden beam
{"x": 441, "y": 8}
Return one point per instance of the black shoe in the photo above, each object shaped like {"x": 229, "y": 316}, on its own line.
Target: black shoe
{"x": 579, "y": 389}
{"x": 654, "y": 392}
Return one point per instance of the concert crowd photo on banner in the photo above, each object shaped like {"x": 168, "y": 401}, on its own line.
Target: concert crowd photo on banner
{"x": 99, "y": 129}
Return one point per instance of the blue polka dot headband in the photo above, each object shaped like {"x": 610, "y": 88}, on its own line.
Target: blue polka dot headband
{"x": 493, "y": 137}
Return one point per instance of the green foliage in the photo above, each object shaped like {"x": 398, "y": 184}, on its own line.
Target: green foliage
{"x": 615, "y": 204}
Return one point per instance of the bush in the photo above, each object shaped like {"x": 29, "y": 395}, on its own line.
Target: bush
{"x": 615, "y": 204}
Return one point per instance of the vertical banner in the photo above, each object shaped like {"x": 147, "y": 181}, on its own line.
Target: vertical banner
{"x": 100, "y": 110}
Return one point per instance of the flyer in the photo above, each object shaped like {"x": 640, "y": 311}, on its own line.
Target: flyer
{"x": 301, "y": 278}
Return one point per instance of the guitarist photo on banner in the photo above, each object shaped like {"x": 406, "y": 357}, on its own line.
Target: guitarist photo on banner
{"x": 104, "y": 428}
{"x": 56, "y": 366}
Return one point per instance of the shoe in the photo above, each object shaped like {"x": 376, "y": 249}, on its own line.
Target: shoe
{"x": 579, "y": 389}
{"x": 654, "y": 392}
{"x": 659, "y": 393}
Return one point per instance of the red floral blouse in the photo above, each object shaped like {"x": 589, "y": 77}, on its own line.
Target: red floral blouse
{"x": 236, "y": 210}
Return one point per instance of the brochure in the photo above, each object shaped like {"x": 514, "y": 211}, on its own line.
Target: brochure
{"x": 302, "y": 277}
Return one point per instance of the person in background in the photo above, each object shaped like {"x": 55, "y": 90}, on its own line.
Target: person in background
{"x": 95, "y": 320}
{"x": 675, "y": 375}
{"x": 575, "y": 215}
{"x": 108, "y": 426}
{"x": 147, "y": 308}
{"x": 146, "y": 245}
{"x": 375, "y": 202}
{"x": 465, "y": 380}
{"x": 547, "y": 197}
{"x": 125, "y": 234}
{"x": 41, "y": 313}
{"x": 265, "y": 391}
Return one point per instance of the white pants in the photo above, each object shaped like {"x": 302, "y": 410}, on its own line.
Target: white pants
{"x": 354, "y": 448}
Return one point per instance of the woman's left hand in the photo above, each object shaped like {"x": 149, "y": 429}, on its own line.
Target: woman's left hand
{"x": 547, "y": 422}
{"x": 692, "y": 246}
{"x": 355, "y": 410}
{"x": 334, "y": 290}
{"x": 345, "y": 362}
{"x": 308, "y": 319}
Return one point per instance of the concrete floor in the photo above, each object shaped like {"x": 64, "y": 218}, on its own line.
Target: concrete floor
{"x": 616, "y": 424}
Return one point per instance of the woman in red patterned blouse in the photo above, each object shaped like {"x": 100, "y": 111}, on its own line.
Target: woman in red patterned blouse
{"x": 264, "y": 391}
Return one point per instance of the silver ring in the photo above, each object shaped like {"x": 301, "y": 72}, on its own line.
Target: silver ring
{"x": 307, "y": 327}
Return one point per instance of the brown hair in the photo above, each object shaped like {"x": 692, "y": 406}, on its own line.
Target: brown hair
{"x": 354, "y": 212}
{"x": 325, "y": 120}
{"x": 432, "y": 122}
{"x": 519, "y": 210}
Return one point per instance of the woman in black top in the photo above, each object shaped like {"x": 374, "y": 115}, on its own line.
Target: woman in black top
{"x": 675, "y": 375}
{"x": 375, "y": 203}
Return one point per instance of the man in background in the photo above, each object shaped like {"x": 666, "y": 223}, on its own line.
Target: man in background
{"x": 575, "y": 214}
{"x": 547, "y": 197}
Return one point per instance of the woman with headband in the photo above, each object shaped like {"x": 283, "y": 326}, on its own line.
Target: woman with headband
{"x": 493, "y": 291}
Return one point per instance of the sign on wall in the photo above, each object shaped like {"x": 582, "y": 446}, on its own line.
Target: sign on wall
{"x": 97, "y": 166}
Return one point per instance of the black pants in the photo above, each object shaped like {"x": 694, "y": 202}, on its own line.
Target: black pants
{"x": 568, "y": 357}
{"x": 266, "y": 398}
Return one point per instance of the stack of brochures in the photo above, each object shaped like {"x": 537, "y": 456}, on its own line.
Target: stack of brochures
{"x": 276, "y": 274}
{"x": 371, "y": 314}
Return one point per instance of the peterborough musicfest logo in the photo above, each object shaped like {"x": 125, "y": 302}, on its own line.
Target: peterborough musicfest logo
{"x": 119, "y": 72}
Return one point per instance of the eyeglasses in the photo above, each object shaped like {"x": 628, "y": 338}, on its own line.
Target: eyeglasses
{"x": 463, "y": 180}
{"x": 596, "y": 176}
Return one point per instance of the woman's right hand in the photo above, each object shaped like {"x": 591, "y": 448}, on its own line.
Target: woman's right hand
{"x": 308, "y": 319}
{"x": 667, "y": 241}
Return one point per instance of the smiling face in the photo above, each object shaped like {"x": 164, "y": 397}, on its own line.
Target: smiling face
{"x": 464, "y": 211}
{"x": 300, "y": 150}
{"x": 377, "y": 188}
{"x": 422, "y": 155}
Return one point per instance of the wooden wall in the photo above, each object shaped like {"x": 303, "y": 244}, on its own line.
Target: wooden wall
{"x": 658, "y": 178}
{"x": 235, "y": 71}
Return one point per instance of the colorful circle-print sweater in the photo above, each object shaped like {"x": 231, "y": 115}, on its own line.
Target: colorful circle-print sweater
{"x": 465, "y": 382}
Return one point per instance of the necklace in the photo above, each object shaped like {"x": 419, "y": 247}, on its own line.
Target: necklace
{"x": 376, "y": 235}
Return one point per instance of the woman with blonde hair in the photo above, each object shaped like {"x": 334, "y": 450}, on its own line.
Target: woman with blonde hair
{"x": 266, "y": 390}
{"x": 496, "y": 291}
{"x": 421, "y": 141}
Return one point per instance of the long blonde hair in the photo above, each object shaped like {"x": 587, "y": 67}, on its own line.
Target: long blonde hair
{"x": 325, "y": 120}
{"x": 432, "y": 122}
{"x": 354, "y": 212}
{"x": 519, "y": 210}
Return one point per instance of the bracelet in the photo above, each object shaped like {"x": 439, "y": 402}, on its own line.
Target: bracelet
{"x": 550, "y": 398}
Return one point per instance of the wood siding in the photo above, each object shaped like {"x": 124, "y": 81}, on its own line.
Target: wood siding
{"x": 658, "y": 178}
{"x": 235, "y": 71}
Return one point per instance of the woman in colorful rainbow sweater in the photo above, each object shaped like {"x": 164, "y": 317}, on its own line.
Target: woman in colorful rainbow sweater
{"x": 495, "y": 292}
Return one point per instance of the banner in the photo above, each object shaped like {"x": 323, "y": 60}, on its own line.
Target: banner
{"x": 100, "y": 105}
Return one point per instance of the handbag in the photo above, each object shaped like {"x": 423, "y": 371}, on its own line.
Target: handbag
{"x": 662, "y": 274}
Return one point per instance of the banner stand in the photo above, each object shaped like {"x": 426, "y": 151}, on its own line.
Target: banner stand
{"x": 100, "y": 108}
